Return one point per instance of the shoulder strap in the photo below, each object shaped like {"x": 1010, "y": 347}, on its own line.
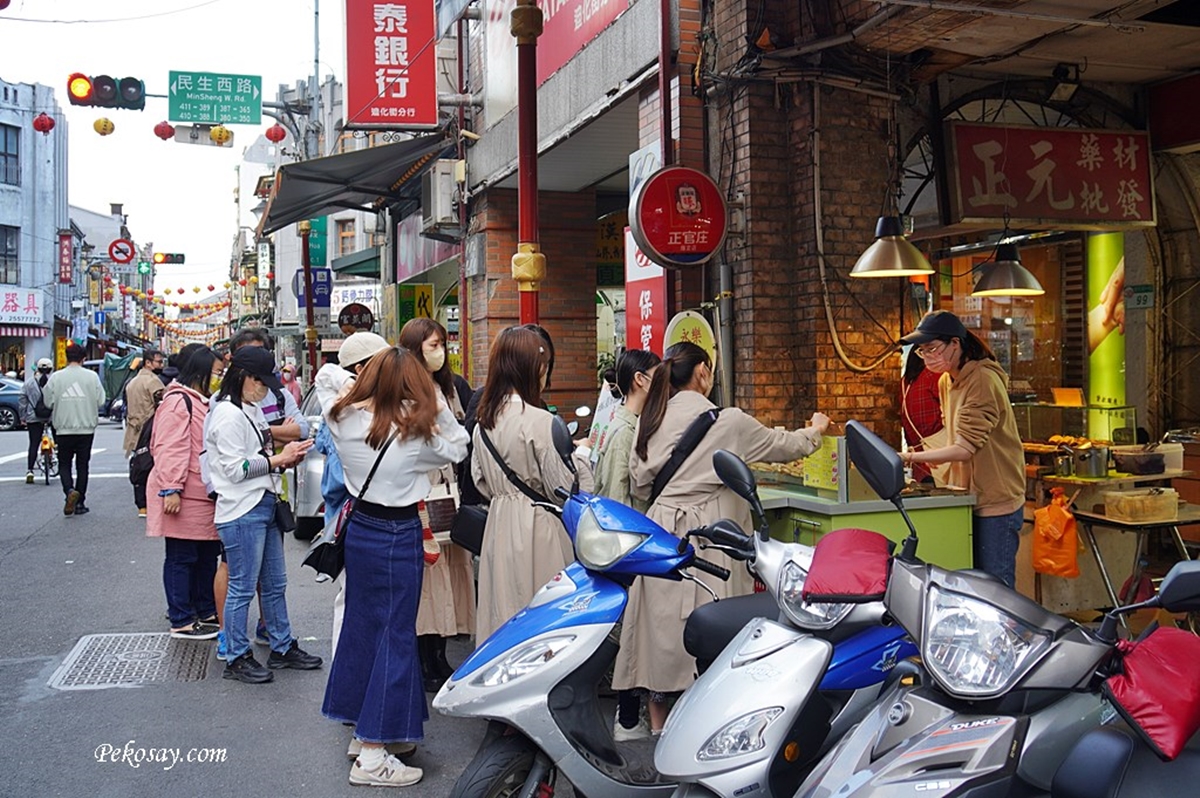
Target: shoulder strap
{"x": 378, "y": 460}
{"x": 508, "y": 472}
{"x": 683, "y": 450}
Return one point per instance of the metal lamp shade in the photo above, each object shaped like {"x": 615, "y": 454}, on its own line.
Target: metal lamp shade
{"x": 892, "y": 255}
{"x": 1007, "y": 277}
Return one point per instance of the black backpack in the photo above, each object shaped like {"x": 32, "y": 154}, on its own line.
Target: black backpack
{"x": 141, "y": 461}
{"x": 40, "y": 411}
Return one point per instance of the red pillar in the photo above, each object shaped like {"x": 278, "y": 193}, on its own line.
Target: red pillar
{"x": 528, "y": 264}
{"x": 310, "y": 333}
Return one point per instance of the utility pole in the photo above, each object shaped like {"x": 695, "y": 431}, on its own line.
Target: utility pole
{"x": 310, "y": 332}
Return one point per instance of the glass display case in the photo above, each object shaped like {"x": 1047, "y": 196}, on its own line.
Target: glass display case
{"x": 1037, "y": 422}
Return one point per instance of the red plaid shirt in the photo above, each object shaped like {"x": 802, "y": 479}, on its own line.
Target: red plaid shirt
{"x": 921, "y": 413}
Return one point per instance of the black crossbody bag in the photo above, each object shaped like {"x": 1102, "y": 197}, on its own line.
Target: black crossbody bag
{"x": 471, "y": 521}
{"x": 688, "y": 442}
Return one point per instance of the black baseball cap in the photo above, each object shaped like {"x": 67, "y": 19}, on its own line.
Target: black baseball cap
{"x": 935, "y": 325}
{"x": 258, "y": 363}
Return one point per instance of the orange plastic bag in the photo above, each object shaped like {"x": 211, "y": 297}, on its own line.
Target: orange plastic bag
{"x": 1055, "y": 542}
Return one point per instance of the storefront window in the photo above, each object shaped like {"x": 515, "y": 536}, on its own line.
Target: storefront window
{"x": 1035, "y": 339}
{"x": 345, "y": 236}
{"x": 9, "y": 251}
{"x": 10, "y": 155}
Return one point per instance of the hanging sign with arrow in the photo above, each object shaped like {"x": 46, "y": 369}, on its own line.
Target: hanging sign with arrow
{"x": 211, "y": 97}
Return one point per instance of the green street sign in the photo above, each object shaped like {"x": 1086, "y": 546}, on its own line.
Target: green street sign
{"x": 212, "y": 98}
{"x": 317, "y": 249}
{"x": 143, "y": 267}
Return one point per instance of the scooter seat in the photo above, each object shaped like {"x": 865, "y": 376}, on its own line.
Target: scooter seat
{"x": 711, "y": 626}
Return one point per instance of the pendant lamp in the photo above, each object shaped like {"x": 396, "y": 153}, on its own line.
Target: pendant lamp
{"x": 892, "y": 255}
{"x": 1006, "y": 276}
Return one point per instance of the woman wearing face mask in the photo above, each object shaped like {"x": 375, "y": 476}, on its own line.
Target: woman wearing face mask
{"x": 652, "y": 654}
{"x": 985, "y": 452}
{"x": 448, "y": 591}
{"x": 287, "y": 376}
{"x": 178, "y": 508}
{"x": 523, "y": 545}
{"x": 242, "y": 469}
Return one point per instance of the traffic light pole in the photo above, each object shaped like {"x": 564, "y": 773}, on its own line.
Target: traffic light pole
{"x": 310, "y": 332}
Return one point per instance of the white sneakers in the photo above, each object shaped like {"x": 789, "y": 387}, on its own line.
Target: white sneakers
{"x": 395, "y": 749}
{"x": 639, "y": 732}
{"x": 391, "y": 772}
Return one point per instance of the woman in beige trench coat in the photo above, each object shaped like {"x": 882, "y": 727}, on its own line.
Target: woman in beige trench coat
{"x": 652, "y": 654}
{"x": 523, "y": 546}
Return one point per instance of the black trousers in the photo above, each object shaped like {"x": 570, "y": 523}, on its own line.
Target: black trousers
{"x": 77, "y": 450}
{"x": 35, "y": 428}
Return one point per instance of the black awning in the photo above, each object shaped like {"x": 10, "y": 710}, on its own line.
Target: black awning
{"x": 366, "y": 180}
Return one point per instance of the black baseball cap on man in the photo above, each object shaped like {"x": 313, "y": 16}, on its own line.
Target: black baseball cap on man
{"x": 258, "y": 363}
{"x": 935, "y": 325}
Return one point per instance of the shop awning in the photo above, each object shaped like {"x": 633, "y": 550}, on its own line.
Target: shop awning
{"x": 366, "y": 180}
{"x": 364, "y": 263}
{"x": 17, "y": 331}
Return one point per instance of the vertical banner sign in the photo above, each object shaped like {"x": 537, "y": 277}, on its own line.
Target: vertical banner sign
{"x": 645, "y": 300}
{"x": 391, "y": 64}
{"x": 66, "y": 257}
{"x": 1105, "y": 326}
{"x": 60, "y": 353}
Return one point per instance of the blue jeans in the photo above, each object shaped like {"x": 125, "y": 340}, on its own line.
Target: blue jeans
{"x": 996, "y": 539}
{"x": 254, "y": 551}
{"x": 188, "y": 571}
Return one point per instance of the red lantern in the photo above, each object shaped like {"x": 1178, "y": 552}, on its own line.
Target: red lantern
{"x": 164, "y": 130}
{"x": 150, "y": 292}
{"x": 44, "y": 123}
{"x": 212, "y": 288}
{"x": 180, "y": 291}
{"x": 270, "y": 275}
{"x": 275, "y": 133}
{"x": 242, "y": 281}
{"x": 108, "y": 278}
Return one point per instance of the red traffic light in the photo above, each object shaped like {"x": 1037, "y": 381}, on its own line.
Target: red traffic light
{"x": 106, "y": 92}
{"x": 167, "y": 257}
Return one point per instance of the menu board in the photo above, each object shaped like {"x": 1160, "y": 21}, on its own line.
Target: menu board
{"x": 823, "y": 468}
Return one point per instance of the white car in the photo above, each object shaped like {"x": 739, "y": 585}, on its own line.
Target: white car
{"x": 308, "y": 503}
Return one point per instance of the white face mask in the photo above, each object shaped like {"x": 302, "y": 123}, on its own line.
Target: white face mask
{"x": 436, "y": 359}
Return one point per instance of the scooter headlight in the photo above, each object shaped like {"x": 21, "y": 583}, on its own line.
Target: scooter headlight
{"x": 802, "y": 613}
{"x": 523, "y": 660}
{"x": 742, "y": 736}
{"x": 598, "y": 548}
{"x": 974, "y": 648}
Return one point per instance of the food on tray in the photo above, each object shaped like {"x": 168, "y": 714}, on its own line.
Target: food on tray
{"x": 793, "y": 469}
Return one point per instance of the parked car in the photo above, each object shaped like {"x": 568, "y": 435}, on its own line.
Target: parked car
{"x": 309, "y": 506}
{"x": 10, "y": 394}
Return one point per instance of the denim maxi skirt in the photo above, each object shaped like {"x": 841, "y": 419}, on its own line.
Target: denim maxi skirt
{"x": 375, "y": 681}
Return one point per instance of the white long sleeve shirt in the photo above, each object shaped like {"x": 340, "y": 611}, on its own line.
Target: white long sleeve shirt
{"x": 233, "y": 440}
{"x": 403, "y": 475}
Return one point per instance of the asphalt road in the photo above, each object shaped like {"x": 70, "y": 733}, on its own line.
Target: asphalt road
{"x": 63, "y": 578}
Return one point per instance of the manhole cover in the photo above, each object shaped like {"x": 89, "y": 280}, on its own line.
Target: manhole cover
{"x": 127, "y": 660}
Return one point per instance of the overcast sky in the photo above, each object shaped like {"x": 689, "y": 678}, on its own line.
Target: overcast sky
{"x": 179, "y": 196}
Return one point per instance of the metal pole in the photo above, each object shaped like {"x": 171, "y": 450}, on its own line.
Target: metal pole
{"x": 316, "y": 117}
{"x": 310, "y": 332}
{"x": 528, "y": 264}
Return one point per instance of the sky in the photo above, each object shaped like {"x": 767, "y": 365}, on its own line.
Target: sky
{"x": 178, "y": 196}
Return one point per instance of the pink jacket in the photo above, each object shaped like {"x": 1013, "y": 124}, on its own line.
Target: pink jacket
{"x": 176, "y": 445}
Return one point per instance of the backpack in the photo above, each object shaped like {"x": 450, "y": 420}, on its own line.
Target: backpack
{"x": 142, "y": 461}
{"x": 40, "y": 411}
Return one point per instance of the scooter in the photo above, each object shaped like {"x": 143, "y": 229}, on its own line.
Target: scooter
{"x": 1007, "y": 688}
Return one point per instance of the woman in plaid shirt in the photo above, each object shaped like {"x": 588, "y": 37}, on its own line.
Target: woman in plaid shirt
{"x": 920, "y": 408}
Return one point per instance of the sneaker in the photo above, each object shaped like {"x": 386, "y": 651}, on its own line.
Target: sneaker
{"x": 73, "y": 498}
{"x": 197, "y": 631}
{"x": 82, "y": 509}
{"x": 222, "y": 647}
{"x": 294, "y": 657}
{"x": 142, "y": 512}
{"x": 639, "y": 732}
{"x": 28, "y": 477}
{"x": 395, "y": 749}
{"x": 260, "y": 634}
{"x": 247, "y": 669}
{"x": 209, "y": 628}
{"x": 391, "y": 772}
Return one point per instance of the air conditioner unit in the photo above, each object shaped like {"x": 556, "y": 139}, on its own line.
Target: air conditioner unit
{"x": 439, "y": 212}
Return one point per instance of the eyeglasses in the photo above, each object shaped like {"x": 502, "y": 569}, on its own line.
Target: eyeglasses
{"x": 924, "y": 352}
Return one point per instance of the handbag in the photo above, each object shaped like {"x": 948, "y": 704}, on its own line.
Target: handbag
{"x": 442, "y": 506}
{"x": 327, "y": 554}
{"x": 285, "y": 519}
{"x": 471, "y": 520}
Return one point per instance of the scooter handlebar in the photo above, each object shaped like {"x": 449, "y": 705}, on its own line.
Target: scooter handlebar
{"x": 710, "y": 568}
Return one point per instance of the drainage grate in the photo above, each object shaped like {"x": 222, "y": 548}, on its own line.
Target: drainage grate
{"x": 127, "y": 660}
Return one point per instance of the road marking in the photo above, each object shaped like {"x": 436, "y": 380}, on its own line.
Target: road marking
{"x": 123, "y": 475}
{"x": 8, "y": 458}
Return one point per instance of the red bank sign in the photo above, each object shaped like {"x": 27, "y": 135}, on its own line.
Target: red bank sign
{"x": 567, "y": 26}
{"x": 1060, "y": 177}
{"x": 391, "y": 64}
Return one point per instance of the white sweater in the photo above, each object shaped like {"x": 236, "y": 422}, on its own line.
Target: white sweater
{"x": 236, "y": 463}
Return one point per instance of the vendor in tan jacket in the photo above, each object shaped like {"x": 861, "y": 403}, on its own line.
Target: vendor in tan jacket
{"x": 652, "y": 655}
{"x": 985, "y": 452}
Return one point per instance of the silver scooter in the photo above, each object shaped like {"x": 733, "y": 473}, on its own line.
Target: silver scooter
{"x": 1007, "y": 688}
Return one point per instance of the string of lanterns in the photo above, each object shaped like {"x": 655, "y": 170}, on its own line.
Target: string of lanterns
{"x": 219, "y": 134}
{"x": 173, "y": 328}
{"x": 160, "y": 298}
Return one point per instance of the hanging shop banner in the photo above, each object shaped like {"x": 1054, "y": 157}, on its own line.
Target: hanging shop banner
{"x": 678, "y": 217}
{"x": 21, "y": 305}
{"x": 1105, "y": 325}
{"x": 355, "y": 317}
{"x": 645, "y": 300}
{"x": 416, "y": 302}
{"x": 391, "y": 65}
{"x": 692, "y": 327}
{"x": 66, "y": 258}
{"x": 60, "y": 353}
{"x": 1068, "y": 178}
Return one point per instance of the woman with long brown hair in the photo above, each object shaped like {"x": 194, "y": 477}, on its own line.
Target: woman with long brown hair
{"x": 392, "y": 422}
{"x": 447, "y": 605}
{"x": 652, "y": 654}
{"x": 523, "y": 545}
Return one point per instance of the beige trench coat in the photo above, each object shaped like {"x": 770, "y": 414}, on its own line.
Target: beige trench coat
{"x": 523, "y": 546}
{"x": 652, "y": 654}
{"x": 447, "y": 606}
{"x": 140, "y": 404}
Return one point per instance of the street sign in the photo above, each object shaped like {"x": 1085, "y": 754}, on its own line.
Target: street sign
{"x": 98, "y": 319}
{"x": 1139, "y": 297}
{"x": 322, "y": 281}
{"x": 121, "y": 250}
{"x": 354, "y": 317}
{"x": 316, "y": 241}
{"x": 210, "y": 97}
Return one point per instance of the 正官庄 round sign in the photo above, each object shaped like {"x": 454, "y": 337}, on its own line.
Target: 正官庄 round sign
{"x": 355, "y": 317}
{"x": 678, "y": 217}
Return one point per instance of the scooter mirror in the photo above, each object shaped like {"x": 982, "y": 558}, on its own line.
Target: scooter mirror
{"x": 583, "y": 411}
{"x": 562, "y": 441}
{"x": 1180, "y": 590}
{"x": 738, "y": 477}
{"x": 572, "y": 427}
{"x": 878, "y": 463}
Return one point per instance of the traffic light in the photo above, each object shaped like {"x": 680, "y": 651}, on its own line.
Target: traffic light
{"x": 167, "y": 257}
{"x": 144, "y": 267}
{"x": 106, "y": 92}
